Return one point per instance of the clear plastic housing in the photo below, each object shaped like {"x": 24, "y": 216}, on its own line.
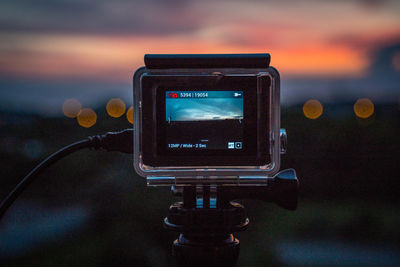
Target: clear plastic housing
{"x": 189, "y": 175}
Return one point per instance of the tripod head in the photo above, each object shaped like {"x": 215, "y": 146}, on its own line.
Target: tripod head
{"x": 207, "y": 217}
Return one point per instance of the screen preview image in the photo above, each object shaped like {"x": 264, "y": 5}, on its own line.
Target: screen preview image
{"x": 199, "y": 120}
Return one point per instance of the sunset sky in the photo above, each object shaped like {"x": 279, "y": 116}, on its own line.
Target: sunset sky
{"x": 82, "y": 40}
{"x": 107, "y": 39}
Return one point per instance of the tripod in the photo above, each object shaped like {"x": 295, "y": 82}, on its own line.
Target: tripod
{"x": 208, "y": 217}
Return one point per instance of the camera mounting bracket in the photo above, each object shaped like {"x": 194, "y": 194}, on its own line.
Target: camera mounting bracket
{"x": 207, "y": 217}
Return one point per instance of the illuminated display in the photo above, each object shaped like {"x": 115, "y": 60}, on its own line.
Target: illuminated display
{"x": 204, "y": 119}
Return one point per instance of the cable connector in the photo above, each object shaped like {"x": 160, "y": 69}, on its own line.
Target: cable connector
{"x": 114, "y": 141}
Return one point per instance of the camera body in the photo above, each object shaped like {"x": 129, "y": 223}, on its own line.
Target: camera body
{"x": 202, "y": 119}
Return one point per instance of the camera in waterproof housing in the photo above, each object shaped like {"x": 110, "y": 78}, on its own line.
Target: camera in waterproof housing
{"x": 207, "y": 119}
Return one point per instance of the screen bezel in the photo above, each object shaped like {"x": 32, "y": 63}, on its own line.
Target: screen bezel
{"x": 256, "y": 103}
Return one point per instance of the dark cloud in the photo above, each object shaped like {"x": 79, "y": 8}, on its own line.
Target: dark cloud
{"x": 373, "y": 4}
{"x": 382, "y": 63}
{"x": 109, "y": 17}
{"x": 53, "y": 5}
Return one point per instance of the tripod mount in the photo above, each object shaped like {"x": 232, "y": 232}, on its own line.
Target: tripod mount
{"x": 207, "y": 217}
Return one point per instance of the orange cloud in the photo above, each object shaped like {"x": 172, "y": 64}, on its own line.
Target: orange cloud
{"x": 116, "y": 58}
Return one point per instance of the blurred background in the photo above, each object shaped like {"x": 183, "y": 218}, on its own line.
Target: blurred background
{"x": 65, "y": 73}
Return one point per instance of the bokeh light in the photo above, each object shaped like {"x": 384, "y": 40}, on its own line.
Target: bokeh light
{"x": 71, "y": 108}
{"x": 396, "y": 61}
{"x": 115, "y": 107}
{"x": 129, "y": 115}
{"x": 312, "y": 109}
{"x": 87, "y": 117}
{"x": 363, "y": 108}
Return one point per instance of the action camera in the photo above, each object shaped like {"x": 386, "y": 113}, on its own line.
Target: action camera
{"x": 207, "y": 119}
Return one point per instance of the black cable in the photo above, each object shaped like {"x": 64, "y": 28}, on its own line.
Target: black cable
{"x": 112, "y": 141}
{"x": 28, "y": 179}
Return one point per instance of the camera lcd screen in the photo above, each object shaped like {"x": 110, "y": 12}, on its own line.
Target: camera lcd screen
{"x": 205, "y": 121}
{"x": 202, "y": 120}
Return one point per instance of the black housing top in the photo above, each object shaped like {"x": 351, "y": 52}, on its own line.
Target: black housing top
{"x": 198, "y": 61}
